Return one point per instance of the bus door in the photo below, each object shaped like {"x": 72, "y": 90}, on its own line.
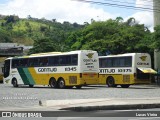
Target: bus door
{"x": 143, "y": 64}
{"x": 141, "y": 75}
{"x": 6, "y": 69}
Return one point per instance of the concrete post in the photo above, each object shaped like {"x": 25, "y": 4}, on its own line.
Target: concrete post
{"x": 156, "y": 7}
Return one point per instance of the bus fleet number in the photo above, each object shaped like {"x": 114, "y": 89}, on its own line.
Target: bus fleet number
{"x": 70, "y": 69}
{"x": 124, "y": 70}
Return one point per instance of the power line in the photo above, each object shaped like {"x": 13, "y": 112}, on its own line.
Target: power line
{"x": 149, "y": 5}
{"x": 151, "y": 2}
{"x": 128, "y": 3}
{"x": 120, "y": 5}
{"x": 114, "y": 4}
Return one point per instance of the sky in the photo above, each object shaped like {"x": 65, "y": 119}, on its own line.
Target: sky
{"x": 79, "y": 12}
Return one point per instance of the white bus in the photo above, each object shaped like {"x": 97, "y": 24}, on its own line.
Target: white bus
{"x": 59, "y": 70}
{"x": 125, "y": 69}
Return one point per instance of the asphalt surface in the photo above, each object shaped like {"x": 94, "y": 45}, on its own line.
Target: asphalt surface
{"x": 24, "y": 99}
{"x": 29, "y": 97}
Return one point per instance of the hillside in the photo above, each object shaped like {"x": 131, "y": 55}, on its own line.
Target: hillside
{"x": 113, "y": 36}
{"x": 26, "y": 31}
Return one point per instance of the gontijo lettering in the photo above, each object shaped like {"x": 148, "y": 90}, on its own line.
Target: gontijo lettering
{"x": 47, "y": 69}
{"x": 140, "y": 63}
{"x": 89, "y": 60}
{"x": 107, "y": 70}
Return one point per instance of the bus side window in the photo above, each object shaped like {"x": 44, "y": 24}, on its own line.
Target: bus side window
{"x": 50, "y": 60}
{"x": 103, "y": 63}
{"x": 128, "y": 61}
{"x": 15, "y": 63}
{"x": 53, "y": 61}
{"x": 40, "y": 61}
{"x": 68, "y": 60}
{"x": 122, "y": 62}
{"x": 65, "y": 60}
{"x": 115, "y": 62}
{"x": 31, "y": 62}
{"x": 109, "y": 62}
{"x": 43, "y": 61}
{"x": 20, "y": 62}
{"x": 47, "y": 62}
{"x": 61, "y": 60}
{"x": 74, "y": 59}
{"x": 36, "y": 62}
{"x": 24, "y": 62}
{"x": 56, "y": 61}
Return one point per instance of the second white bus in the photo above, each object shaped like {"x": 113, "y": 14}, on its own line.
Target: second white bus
{"x": 125, "y": 69}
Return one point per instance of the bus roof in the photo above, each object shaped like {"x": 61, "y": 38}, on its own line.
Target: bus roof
{"x": 52, "y": 54}
{"x": 125, "y": 54}
{"x": 38, "y": 54}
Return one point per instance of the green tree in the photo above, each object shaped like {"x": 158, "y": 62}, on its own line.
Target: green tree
{"x": 156, "y": 38}
{"x": 42, "y": 45}
{"x": 115, "y": 36}
{"x": 5, "y": 36}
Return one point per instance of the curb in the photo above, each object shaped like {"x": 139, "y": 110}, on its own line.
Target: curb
{"x": 112, "y": 107}
{"x": 101, "y": 104}
{"x": 70, "y": 102}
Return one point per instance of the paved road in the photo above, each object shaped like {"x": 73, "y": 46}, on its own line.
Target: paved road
{"x": 26, "y": 97}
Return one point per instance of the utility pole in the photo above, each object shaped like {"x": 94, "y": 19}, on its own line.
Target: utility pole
{"x": 156, "y": 7}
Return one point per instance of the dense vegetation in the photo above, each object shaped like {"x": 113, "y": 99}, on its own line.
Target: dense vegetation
{"x": 107, "y": 37}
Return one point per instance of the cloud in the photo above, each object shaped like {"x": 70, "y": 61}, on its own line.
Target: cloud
{"x": 144, "y": 17}
{"x": 143, "y": 3}
{"x": 70, "y": 10}
{"x": 61, "y": 10}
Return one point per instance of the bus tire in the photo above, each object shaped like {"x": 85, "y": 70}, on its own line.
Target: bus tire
{"x": 61, "y": 83}
{"x": 14, "y": 82}
{"x": 79, "y": 86}
{"x": 110, "y": 82}
{"x": 31, "y": 86}
{"x": 53, "y": 83}
{"x": 125, "y": 86}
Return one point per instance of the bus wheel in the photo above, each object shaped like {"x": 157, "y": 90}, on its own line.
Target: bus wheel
{"x": 110, "y": 82}
{"x": 14, "y": 82}
{"x": 125, "y": 86}
{"x": 53, "y": 83}
{"x": 31, "y": 86}
{"x": 79, "y": 86}
{"x": 61, "y": 83}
